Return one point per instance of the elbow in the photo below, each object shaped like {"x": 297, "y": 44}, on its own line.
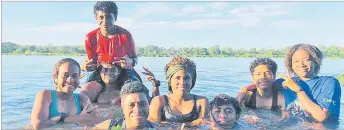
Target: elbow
{"x": 35, "y": 124}
{"x": 320, "y": 118}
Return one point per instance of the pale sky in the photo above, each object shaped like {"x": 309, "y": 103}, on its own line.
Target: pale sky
{"x": 166, "y": 24}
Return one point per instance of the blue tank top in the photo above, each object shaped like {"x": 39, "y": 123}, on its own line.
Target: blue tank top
{"x": 53, "y": 110}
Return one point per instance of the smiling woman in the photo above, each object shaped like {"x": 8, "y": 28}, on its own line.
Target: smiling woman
{"x": 61, "y": 105}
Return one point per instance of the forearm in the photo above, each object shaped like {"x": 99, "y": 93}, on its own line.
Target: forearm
{"x": 155, "y": 91}
{"x": 309, "y": 106}
{"x": 42, "y": 124}
{"x": 86, "y": 118}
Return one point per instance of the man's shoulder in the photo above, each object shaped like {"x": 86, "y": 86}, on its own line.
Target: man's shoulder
{"x": 92, "y": 33}
{"x": 328, "y": 81}
{"x": 122, "y": 31}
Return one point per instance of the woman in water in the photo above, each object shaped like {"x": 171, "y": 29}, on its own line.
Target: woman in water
{"x": 62, "y": 105}
{"x": 179, "y": 105}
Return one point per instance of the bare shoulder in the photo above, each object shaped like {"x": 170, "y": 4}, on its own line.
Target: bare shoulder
{"x": 201, "y": 99}
{"x": 43, "y": 94}
{"x": 281, "y": 100}
{"x": 91, "y": 86}
{"x": 158, "y": 100}
{"x": 83, "y": 97}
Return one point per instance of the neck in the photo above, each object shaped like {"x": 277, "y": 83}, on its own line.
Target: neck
{"x": 131, "y": 126}
{"x": 178, "y": 97}
{"x": 265, "y": 93}
{"x": 306, "y": 78}
{"x": 63, "y": 95}
{"x": 109, "y": 31}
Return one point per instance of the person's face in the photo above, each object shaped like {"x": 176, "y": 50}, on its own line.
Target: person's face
{"x": 105, "y": 20}
{"x": 68, "y": 78}
{"x": 109, "y": 73}
{"x": 224, "y": 115}
{"x": 263, "y": 77}
{"x": 181, "y": 82}
{"x": 302, "y": 64}
{"x": 135, "y": 108}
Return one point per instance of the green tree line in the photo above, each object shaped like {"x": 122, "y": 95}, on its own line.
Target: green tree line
{"x": 8, "y": 48}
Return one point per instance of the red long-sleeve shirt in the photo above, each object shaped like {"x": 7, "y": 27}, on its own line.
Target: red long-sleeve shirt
{"x": 102, "y": 49}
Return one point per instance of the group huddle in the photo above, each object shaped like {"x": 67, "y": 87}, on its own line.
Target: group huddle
{"x": 113, "y": 81}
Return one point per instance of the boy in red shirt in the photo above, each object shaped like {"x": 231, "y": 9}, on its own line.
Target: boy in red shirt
{"x": 109, "y": 43}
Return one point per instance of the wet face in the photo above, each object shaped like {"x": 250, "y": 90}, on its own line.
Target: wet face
{"x": 263, "y": 77}
{"x": 105, "y": 21}
{"x": 224, "y": 115}
{"x": 135, "y": 108}
{"x": 302, "y": 64}
{"x": 181, "y": 82}
{"x": 109, "y": 73}
{"x": 68, "y": 78}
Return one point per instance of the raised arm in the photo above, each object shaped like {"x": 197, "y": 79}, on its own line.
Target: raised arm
{"x": 155, "y": 108}
{"x": 153, "y": 80}
{"x": 131, "y": 50}
{"x": 245, "y": 93}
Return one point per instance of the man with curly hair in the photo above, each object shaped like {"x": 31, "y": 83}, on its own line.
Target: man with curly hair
{"x": 135, "y": 107}
{"x": 266, "y": 95}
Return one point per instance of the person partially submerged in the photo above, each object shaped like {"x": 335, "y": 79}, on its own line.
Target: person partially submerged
{"x": 308, "y": 95}
{"x": 265, "y": 95}
{"x": 180, "y": 105}
{"x": 62, "y": 105}
{"x": 135, "y": 107}
{"x": 224, "y": 112}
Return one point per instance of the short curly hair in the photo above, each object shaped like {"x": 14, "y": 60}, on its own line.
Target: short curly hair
{"x": 271, "y": 64}
{"x": 133, "y": 87}
{"x": 178, "y": 60}
{"x": 107, "y": 7}
{"x": 313, "y": 51}
{"x": 61, "y": 62}
{"x": 223, "y": 99}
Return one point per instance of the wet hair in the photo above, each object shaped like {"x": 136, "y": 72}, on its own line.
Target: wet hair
{"x": 107, "y": 7}
{"x": 313, "y": 51}
{"x": 223, "y": 99}
{"x": 134, "y": 87}
{"x": 271, "y": 64}
{"x": 178, "y": 60}
{"x": 62, "y": 61}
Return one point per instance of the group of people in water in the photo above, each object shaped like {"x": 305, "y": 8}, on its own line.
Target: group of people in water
{"x": 113, "y": 81}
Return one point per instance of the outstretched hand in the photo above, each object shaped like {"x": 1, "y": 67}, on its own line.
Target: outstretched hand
{"x": 88, "y": 65}
{"x": 150, "y": 77}
{"x": 125, "y": 62}
{"x": 289, "y": 82}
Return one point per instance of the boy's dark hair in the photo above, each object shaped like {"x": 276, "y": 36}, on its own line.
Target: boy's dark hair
{"x": 271, "y": 64}
{"x": 223, "y": 99}
{"x": 107, "y": 7}
{"x": 134, "y": 87}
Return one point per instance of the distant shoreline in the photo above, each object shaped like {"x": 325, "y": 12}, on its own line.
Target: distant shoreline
{"x": 56, "y": 54}
{"x": 9, "y": 48}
